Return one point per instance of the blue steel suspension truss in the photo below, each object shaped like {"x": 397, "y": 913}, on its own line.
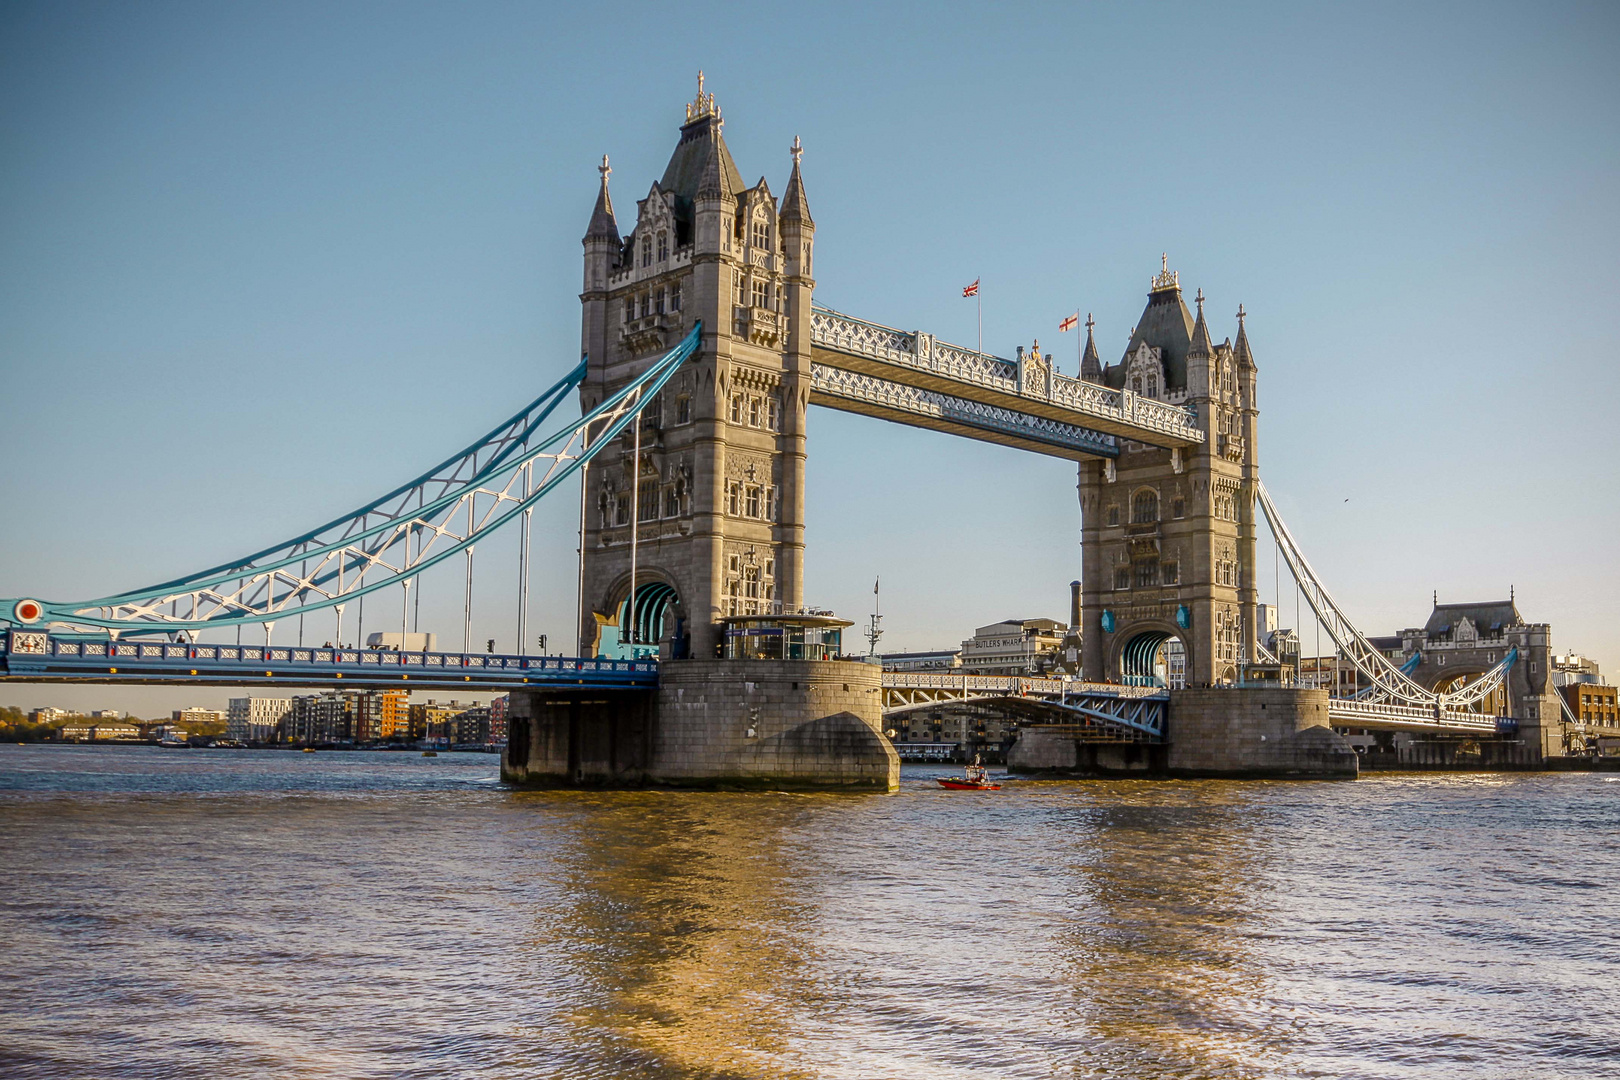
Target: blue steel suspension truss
{"x": 388, "y": 541}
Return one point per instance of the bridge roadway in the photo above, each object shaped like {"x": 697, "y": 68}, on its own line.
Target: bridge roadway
{"x": 1106, "y": 712}
{"x": 33, "y": 656}
{"x": 912, "y": 378}
{"x": 1129, "y": 711}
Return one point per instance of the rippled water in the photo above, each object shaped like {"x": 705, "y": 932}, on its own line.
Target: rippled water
{"x": 246, "y": 914}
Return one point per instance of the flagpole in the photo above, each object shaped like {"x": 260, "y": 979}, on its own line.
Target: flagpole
{"x": 978, "y": 294}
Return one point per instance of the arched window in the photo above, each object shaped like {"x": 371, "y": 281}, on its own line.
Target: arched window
{"x": 761, "y": 233}
{"x": 1145, "y": 507}
{"x": 663, "y": 246}
{"x": 1113, "y": 515}
{"x": 646, "y": 251}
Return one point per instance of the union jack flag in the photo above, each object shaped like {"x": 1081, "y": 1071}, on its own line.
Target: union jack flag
{"x": 973, "y": 289}
{"x": 1069, "y": 324}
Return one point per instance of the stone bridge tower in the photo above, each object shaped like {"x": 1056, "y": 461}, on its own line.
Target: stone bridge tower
{"x": 720, "y": 497}
{"x": 1168, "y": 536}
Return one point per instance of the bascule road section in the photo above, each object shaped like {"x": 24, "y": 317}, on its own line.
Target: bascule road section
{"x": 911, "y": 377}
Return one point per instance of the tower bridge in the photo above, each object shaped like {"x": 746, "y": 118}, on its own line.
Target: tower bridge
{"x": 703, "y": 348}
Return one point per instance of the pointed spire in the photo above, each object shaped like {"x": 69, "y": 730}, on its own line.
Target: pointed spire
{"x": 1240, "y": 349}
{"x": 795, "y": 207}
{"x": 603, "y": 225}
{"x": 1200, "y": 335}
{"x": 1090, "y": 362}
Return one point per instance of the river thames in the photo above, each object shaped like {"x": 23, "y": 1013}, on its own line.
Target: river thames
{"x": 212, "y": 913}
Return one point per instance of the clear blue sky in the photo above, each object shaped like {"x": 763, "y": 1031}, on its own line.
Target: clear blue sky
{"x": 259, "y": 262}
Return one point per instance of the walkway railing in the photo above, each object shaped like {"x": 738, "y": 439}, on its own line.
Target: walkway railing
{"x": 1119, "y": 412}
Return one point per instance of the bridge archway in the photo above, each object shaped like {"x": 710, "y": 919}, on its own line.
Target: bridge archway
{"x": 639, "y": 624}
{"x": 1152, "y": 656}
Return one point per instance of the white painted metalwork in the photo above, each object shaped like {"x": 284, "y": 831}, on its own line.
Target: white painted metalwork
{"x": 485, "y": 487}
{"x": 1390, "y": 685}
{"x": 896, "y": 397}
{"x": 1151, "y": 421}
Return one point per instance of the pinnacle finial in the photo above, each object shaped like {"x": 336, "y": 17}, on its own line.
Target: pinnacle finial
{"x": 796, "y": 150}
{"x": 604, "y": 169}
{"x": 1090, "y": 322}
{"x": 1241, "y": 313}
{"x": 703, "y": 106}
{"x": 1166, "y": 278}
{"x": 1199, "y": 300}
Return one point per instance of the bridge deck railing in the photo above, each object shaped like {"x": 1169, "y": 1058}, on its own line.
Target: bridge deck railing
{"x": 1011, "y": 684}
{"x": 53, "y": 657}
{"x": 837, "y": 332}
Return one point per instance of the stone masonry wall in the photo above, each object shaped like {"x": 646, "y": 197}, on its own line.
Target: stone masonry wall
{"x": 1259, "y": 732}
{"x": 764, "y": 723}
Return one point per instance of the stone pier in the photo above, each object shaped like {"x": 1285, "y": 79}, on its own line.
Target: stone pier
{"x": 712, "y": 723}
{"x": 1238, "y": 732}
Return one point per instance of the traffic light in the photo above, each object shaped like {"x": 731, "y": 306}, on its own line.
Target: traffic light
{"x": 489, "y": 646}
{"x": 542, "y": 643}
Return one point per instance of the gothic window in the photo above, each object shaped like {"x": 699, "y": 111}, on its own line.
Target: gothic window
{"x": 647, "y": 508}
{"x": 1113, "y": 515}
{"x": 736, "y": 287}
{"x": 751, "y": 582}
{"x": 1147, "y": 574}
{"x": 1152, "y": 387}
{"x": 733, "y": 498}
{"x": 761, "y": 233}
{"x": 1122, "y": 577}
{"x": 663, "y": 246}
{"x": 672, "y": 502}
{"x": 734, "y": 562}
{"x": 1136, "y": 384}
{"x": 759, "y": 293}
{"x": 1169, "y": 573}
{"x": 773, "y": 414}
{"x": 1145, "y": 507}
{"x": 621, "y": 511}
{"x": 736, "y": 408}
{"x": 751, "y": 502}
{"x": 754, "y": 409}
{"x": 675, "y": 297}
{"x": 770, "y": 567}
{"x": 683, "y": 410}
{"x": 661, "y": 301}
{"x": 646, "y": 251}
{"x": 1178, "y": 507}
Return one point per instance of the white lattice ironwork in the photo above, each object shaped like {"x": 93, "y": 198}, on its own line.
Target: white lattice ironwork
{"x": 1390, "y": 685}
{"x": 392, "y": 539}
{"x": 1133, "y": 416}
{"x": 835, "y": 385}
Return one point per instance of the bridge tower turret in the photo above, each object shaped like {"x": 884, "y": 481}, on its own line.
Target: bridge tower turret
{"x": 1168, "y": 535}
{"x": 717, "y": 494}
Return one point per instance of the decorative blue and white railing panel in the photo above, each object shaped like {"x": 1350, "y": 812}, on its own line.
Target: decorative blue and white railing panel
{"x": 856, "y": 392}
{"x": 1034, "y": 383}
{"x": 34, "y": 656}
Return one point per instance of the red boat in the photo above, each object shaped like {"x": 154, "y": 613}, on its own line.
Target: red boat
{"x": 973, "y": 778}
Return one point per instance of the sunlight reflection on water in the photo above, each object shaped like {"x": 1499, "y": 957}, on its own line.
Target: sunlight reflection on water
{"x": 236, "y": 914}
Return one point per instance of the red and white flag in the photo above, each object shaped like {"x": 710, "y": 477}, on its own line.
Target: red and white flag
{"x": 973, "y": 289}
{"x": 1070, "y": 323}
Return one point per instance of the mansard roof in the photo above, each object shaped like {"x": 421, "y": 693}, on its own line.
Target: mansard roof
{"x": 1166, "y": 325}
{"x": 701, "y": 163}
{"x": 1488, "y": 618}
